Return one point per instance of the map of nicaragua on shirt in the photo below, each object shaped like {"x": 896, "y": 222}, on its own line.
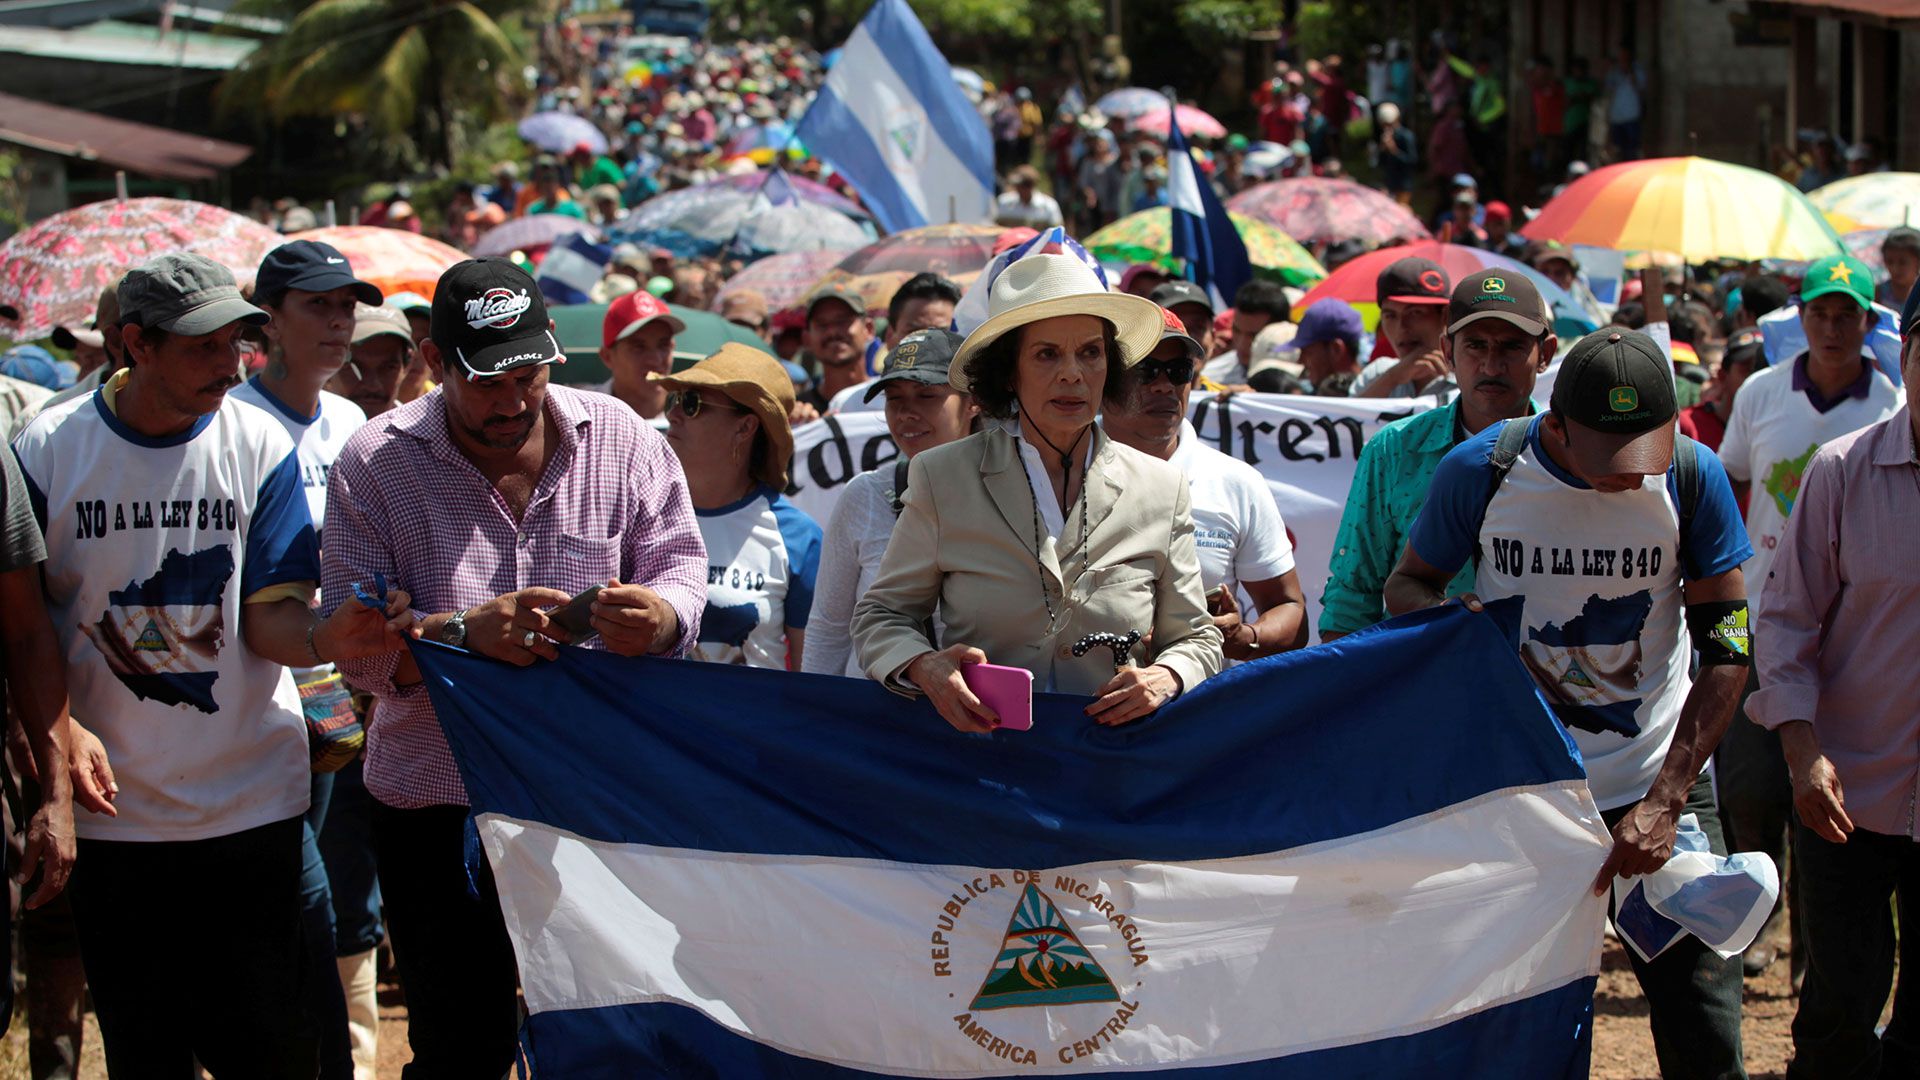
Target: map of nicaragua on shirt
{"x": 763, "y": 555}
{"x": 1603, "y": 630}
{"x": 152, "y": 547}
{"x": 1771, "y": 436}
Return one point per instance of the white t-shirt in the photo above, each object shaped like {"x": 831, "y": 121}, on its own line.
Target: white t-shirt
{"x": 856, "y": 541}
{"x": 1440, "y": 387}
{"x": 1043, "y": 212}
{"x": 1771, "y": 436}
{"x": 763, "y": 556}
{"x": 152, "y": 547}
{"x": 317, "y": 438}
{"x": 1603, "y": 631}
{"x": 1236, "y": 524}
{"x": 1225, "y": 369}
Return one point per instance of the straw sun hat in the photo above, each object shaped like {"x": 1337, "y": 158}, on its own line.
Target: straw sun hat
{"x": 1046, "y": 286}
{"x": 754, "y": 380}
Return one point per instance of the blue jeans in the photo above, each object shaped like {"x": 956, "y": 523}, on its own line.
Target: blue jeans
{"x": 325, "y": 999}
{"x": 346, "y": 843}
{"x": 167, "y": 993}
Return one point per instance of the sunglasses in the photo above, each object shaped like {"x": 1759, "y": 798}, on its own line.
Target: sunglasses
{"x": 690, "y": 403}
{"x": 1178, "y": 371}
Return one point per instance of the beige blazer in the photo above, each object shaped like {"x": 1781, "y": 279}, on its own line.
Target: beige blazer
{"x": 965, "y": 543}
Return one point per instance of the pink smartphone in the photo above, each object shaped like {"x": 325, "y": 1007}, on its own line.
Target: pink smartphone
{"x": 1008, "y": 691}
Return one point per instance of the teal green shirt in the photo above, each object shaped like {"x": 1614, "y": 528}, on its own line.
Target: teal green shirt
{"x": 1389, "y": 485}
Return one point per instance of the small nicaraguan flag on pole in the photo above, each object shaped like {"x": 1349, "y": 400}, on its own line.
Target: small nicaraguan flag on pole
{"x": 1203, "y": 235}
{"x": 892, "y": 121}
{"x": 746, "y": 873}
{"x": 572, "y": 266}
{"x": 971, "y": 311}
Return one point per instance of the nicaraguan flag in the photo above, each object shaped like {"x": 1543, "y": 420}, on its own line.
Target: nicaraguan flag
{"x": 891, "y": 120}
{"x": 1309, "y": 866}
{"x": 1203, "y": 235}
{"x": 572, "y": 266}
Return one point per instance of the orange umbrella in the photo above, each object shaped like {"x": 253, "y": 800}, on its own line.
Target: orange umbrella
{"x": 394, "y": 260}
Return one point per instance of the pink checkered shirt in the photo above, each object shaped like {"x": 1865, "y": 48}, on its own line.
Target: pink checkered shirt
{"x": 403, "y": 501}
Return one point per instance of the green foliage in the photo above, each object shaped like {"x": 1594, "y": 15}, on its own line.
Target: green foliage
{"x": 13, "y": 191}
{"x": 1343, "y": 27}
{"x": 1219, "y": 22}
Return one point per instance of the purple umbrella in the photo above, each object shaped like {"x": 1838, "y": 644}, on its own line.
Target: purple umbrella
{"x": 527, "y": 233}
{"x": 559, "y": 132}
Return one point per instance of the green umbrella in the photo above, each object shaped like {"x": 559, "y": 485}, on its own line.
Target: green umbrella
{"x": 578, "y": 328}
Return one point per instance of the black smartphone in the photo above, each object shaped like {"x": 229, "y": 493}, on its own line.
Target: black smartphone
{"x": 574, "y": 615}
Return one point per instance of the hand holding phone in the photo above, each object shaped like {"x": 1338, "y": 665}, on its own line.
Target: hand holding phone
{"x": 576, "y": 615}
{"x": 1008, "y": 691}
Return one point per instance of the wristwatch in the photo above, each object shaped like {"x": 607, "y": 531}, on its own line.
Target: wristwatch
{"x": 454, "y": 631}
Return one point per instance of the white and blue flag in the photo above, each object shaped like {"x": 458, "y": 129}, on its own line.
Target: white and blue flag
{"x": 1310, "y": 866}
{"x": 892, "y": 121}
{"x": 1204, "y": 239}
{"x": 572, "y": 266}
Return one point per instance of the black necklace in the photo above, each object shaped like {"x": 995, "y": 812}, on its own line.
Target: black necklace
{"x": 1038, "y": 564}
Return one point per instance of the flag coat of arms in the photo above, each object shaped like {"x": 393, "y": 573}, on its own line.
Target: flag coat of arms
{"x": 1310, "y": 866}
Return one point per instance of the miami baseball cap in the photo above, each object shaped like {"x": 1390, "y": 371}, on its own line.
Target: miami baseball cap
{"x": 631, "y": 311}
{"x": 310, "y": 266}
{"x": 1327, "y": 320}
{"x": 1498, "y": 294}
{"x": 1180, "y": 291}
{"x": 489, "y": 317}
{"x": 184, "y": 293}
{"x": 1839, "y": 274}
{"x": 1617, "y": 387}
{"x": 1413, "y": 281}
{"x": 924, "y": 356}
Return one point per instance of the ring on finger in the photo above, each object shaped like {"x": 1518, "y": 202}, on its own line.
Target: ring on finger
{"x": 529, "y": 639}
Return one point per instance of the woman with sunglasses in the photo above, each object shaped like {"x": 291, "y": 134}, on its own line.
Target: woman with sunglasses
{"x": 727, "y": 422}
{"x": 923, "y": 411}
{"x": 1040, "y": 540}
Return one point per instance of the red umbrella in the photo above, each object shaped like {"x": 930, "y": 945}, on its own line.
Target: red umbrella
{"x": 53, "y": 272}
{"x": 784, "y": 279}
{"x": 1355, "y": 281}
{"x": 1315, "y": 210}
{"x": 394, "y": 260}
{"x": 1193, "y": 122}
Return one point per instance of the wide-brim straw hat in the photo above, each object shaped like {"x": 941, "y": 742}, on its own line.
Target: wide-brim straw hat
{"x": 753, "y": 380}
{"x": 1047, "y": 286}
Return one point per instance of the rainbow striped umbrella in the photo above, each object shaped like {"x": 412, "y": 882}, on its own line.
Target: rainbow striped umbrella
{"x": 1147, "y": 237}
{"x": 1356, "y": 282}
{"x": 1872, "y": 200}
{"x": 1693, "y": 207}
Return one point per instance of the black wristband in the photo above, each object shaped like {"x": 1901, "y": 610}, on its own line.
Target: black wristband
{"x": 1719, "y": 632}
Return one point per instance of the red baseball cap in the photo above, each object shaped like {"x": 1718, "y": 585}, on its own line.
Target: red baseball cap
{"x": 631, "y": 311}
{"x": 1499, "y": 211}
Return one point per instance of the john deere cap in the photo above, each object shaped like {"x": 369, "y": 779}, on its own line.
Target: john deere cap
{"x": 1617, "y": 389}
{"x": 1839, "y": 274}
{"x": 1498, "y": 294}
{"x": 489, "y": 317}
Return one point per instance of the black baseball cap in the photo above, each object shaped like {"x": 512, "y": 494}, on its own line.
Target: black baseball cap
{"x": 924, "y": 356}
{"x": 1413, "y": 281}
{"x": 1617, "y": 387}
{"x": 1180, "y": 291}
{"x": 489, "y": 316}
{"x": 1498, "y": 294}
{"x": 310, "y": 266}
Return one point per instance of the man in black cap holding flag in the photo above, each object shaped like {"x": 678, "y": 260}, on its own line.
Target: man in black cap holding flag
{"x": 1619, "y": 573}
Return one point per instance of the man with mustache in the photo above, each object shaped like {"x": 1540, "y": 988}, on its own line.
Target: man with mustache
{"x": 837, "y": 336}
{"x": 1238, "y": 533}
{"x": 310, "y": 290}
{"x": 1396, "y": 465}
{"x": 181, "y": 563}
{"x": 494, "y": 499}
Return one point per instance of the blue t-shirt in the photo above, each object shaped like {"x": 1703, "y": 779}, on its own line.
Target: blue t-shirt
{"x": 763, "y": 554}
{"x": 1603, "y": 629}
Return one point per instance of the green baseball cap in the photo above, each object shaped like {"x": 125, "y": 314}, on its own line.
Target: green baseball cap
{"x": 1839, "y": 274}
{"x": 186, "y": 294}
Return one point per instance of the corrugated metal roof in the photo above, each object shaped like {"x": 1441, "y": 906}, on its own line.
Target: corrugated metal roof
{"x": 1904, "y": 11}
{"x": 110, "y": 42}
{"x": 137, "y": 148}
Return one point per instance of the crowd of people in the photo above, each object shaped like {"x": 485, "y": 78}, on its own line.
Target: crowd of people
{"x": 241, "y": 505}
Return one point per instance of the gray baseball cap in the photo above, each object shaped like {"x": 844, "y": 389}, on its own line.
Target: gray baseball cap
{"x": 184, "y": 293}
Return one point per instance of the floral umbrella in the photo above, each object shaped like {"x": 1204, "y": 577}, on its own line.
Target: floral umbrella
{"x": 394, "y": 260}
{"x": 1315, "y": 210}
{"x": 762, "y": 212}
{"x": 1147, "y": 237}
{"x": 528, "y": 233}
{"x": 959, "y": 252}
{"x": 53, "y": 272}
{"x": 783, "y": 279}
{"x": 1194, "y": 122}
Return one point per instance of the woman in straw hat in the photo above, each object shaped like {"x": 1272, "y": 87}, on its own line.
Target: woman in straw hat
{"x": 1020, "y": 535}
{"x": 727, "y": 421}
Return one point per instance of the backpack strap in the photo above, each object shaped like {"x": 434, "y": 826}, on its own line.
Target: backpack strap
{"x": 899, "y": 484}
{"x": 1686, "y": 480}
{"x": 1506, "y": 450}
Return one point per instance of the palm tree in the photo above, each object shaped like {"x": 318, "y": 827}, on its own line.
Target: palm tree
{"x": 419, "y": 67}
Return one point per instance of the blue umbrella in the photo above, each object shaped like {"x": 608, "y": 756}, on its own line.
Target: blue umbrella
{"x": 532, "y": 231}
{"x": 758, "y": 214}
{"x": 559, "y": 132}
